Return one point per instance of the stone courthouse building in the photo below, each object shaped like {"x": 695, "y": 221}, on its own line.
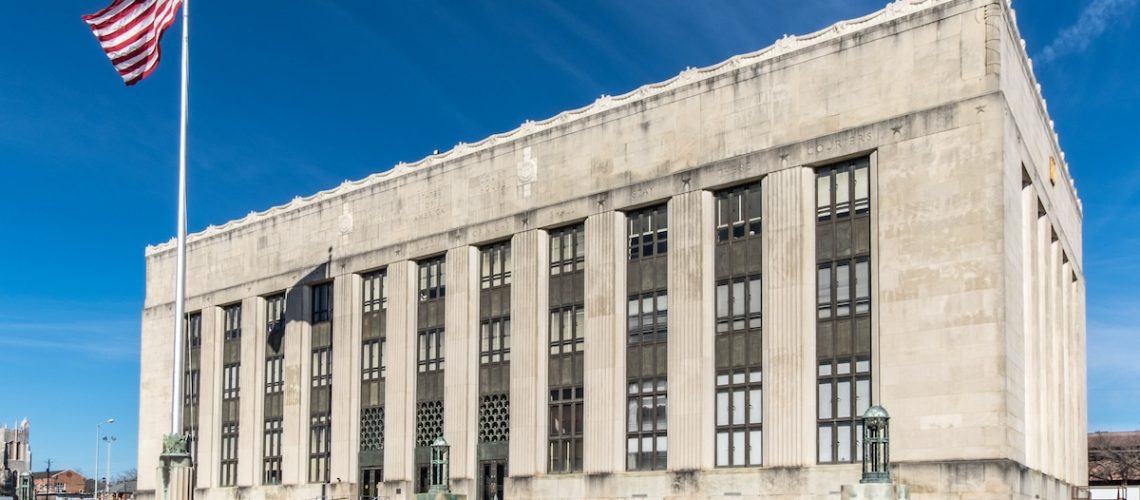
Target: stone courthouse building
{"x": 692, "y": 290}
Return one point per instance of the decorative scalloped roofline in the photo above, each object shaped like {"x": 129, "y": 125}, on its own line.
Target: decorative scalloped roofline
{"x": 1041, "y": 102}
{"x": 784, "y": 45}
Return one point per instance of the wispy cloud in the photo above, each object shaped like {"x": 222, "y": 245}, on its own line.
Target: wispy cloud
{"x": 1095, "y": 19}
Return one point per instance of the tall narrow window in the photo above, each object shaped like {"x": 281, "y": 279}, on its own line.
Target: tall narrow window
{"x": 231, "y": 389}
{"x": 567, "y": 349}
{"x": 272, "y": 427}
{"x": 320, "y": 386}
{"x": 739, "y": 367}
{"x": 429, "y": 364}
{"x": 648, "y": 326}
{"x": 373, "y": 335}
{"x": 494, "y": 353}
{"x": 843, "y": 308}
{"x": 191, "y": 381}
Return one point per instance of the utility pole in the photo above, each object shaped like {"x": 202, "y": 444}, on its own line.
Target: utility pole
{"x": 48, "y": 478}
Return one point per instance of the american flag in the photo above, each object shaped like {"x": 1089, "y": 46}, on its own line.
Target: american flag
{"x": 130, "y": 32}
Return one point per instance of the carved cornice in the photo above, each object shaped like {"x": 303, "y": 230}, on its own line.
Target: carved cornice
{"x": 689, "y": 76}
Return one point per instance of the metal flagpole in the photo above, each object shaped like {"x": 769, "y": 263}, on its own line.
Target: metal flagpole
{"x": 180, "y": 272}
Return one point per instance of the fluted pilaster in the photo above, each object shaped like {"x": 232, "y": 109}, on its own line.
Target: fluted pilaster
{"x": 789, "y": 321}
{"x": 400, "y": 385}
{"x": 604, "y": 440}
{"x": 691, "y": 363}
{"x": 461, "y": 361}
{"x": 529, "y": 301}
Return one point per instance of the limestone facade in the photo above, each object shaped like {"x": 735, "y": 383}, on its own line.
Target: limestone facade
{"x": 976, "y": 296}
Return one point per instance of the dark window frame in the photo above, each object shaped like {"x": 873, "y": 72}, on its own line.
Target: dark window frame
{"x": 843, "y": 309}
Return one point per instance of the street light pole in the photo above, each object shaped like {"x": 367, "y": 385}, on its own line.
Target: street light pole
{"x": 96, "y": 476}
{"x": 107, "y": 482}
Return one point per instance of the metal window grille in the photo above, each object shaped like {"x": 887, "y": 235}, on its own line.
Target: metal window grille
{"x": 429, "y": 422}
{"x": 494, "y": 418}
{"x": 372, "y": 428}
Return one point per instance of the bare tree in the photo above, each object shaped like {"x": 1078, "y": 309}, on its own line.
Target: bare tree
{"x": 127, "y": 475}
{"x": 1114, "y": 457}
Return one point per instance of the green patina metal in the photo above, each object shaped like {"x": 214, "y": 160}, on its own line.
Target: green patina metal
{"x": 440, "y": 466}
{"x": 876, "y": 446}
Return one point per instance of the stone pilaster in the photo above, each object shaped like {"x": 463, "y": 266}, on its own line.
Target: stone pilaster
{"x": 529, "y": 305}
{"x": 209, "y": 397}
{"x": 604, "y": 440}
{"x": 345, "y": 377}
{"x": 691, "y": 347}
{"x": 789, "y": 319}
{"x": 461, "y": 364}
{"x": 252, "y": 392}
{"x": 400, "y": 386}
{"x": 298, "y": 370}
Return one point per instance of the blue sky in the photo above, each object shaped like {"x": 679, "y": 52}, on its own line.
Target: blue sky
{"x": 291, "y": 97}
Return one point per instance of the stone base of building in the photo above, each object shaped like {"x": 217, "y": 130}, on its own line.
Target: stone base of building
{"x": 963, "y": 480}
{"x": 874, "y": 492}
{"x": 440, "y": 496}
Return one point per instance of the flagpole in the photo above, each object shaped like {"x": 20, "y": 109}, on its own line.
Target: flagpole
{"x": 180, "y": 272}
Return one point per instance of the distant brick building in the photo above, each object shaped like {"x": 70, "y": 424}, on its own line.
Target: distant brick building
{"x": 63, "y": 481}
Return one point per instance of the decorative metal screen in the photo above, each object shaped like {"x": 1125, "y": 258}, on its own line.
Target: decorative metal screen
{"x": 372, "y": 428}
{"x": 494, "y": 418}
{"x": 429, "y": 422}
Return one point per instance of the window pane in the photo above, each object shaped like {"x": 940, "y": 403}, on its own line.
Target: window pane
{"x": 862, "y": 396}
{"x": 823, "y": 291}
{"x": 754, "y": 296}
{"x": 738, "y": 406}
{"x": 722, "y": 301}
{"x": 737, "y": 298}
{"x": 862, "y": 286}
{"x": 843, "y": 436}
{"x": 722, "y": 408}
{"x": 862, "y": 190}
{"x": 738, "y": 448}
{"x": 842, "y": 289}
{"x": 722, "y": 448}
{"x": 631, "y": 414}
{"x": 825, "y": 399}
{"x": 755, "y": 399}
{"x": 755, "y": 448}
{"x": 825, "y": 443}
{"x": 843, "y": 399}
{"x": 823, "y": 196}
{"x": 842, "y": 193}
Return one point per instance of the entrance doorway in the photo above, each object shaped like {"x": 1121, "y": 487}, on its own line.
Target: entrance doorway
{"x": 492, "y": 477}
